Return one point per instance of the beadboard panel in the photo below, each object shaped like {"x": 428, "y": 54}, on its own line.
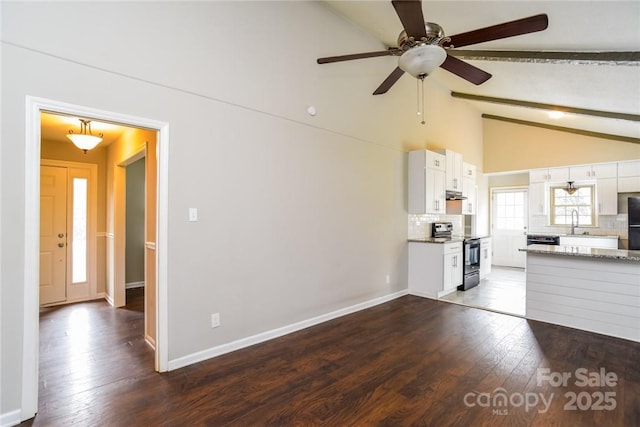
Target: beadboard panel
{"x": 593, "y": 294}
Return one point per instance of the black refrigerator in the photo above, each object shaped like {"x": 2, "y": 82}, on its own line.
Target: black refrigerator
{"x": 634, "y": 222}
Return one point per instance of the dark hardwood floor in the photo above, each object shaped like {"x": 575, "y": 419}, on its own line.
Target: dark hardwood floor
{"x": 408, "y": 362}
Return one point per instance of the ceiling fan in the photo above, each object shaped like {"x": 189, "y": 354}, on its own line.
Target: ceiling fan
{"x": 422, "y": 46}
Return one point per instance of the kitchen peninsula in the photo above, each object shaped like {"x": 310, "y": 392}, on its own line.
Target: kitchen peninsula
{"x": 592, "y": 289}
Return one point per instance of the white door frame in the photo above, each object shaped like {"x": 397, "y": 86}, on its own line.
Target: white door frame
{"x": 30, "y": 347}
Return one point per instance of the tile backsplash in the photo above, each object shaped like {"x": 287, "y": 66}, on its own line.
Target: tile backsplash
{"x": 608, "y": 225}
{"x": 420, "y": 225}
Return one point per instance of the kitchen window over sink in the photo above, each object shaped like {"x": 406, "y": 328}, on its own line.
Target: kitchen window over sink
{"x": 563, "y": 204}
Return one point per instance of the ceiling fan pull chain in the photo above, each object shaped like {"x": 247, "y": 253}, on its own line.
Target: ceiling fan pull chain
{"x": 422, "y": 106}
{"x": 418, "y": 97}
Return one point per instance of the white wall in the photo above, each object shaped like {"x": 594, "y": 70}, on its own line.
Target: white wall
{"x": 298, "y": 215}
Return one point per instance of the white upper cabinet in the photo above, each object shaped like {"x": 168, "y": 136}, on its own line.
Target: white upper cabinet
{"x": 469, "y": 190}
{"x": 628, "y": 177}
{"x": 435, "y": 161}
{"x": 468, "y": 171}
{"x": 607, "y": 196}
{"x": 426, "y": 182}
{"x": 629, "y": 169}
{"x": 453, "y": 171}
{"x": 586, "y": 172}
{"x": 549, "y": 175}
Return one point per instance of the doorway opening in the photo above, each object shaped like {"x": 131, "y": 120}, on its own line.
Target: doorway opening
{"x": 504, "y": 288}
{"x": 114, "y": 266}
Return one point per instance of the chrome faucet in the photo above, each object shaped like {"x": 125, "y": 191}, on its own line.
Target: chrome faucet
{"x": 573, "y": 226}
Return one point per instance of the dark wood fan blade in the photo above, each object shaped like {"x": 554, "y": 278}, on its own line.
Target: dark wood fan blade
{"x": 501, "y": 31}
{"x": 329, "y": 59}
{"x": 410, "y": 14}
{"x": 465, "y": 70}
{"x": 389, "y": 81}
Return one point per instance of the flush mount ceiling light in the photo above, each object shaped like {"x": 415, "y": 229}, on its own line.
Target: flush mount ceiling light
{"x": 84, "y": 140}
{"x": 570, "y": 188}
{"x": 556, "y": 114}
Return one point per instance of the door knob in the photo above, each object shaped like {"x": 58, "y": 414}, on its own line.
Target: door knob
{"x": 61, "y": 245}
{"x": 61, "y": 235}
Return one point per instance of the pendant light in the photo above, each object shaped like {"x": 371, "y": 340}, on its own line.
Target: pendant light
{"x": 570, "y": 189}
{"x": 84, "y": 140}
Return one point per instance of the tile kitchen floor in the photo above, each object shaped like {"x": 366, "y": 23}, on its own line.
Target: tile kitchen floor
{"x": 503, "y": 290}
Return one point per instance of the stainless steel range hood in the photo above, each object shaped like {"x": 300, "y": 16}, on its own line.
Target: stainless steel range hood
{"x": 454, "y": 195}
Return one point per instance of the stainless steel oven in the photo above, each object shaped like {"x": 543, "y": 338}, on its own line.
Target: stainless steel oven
{"x": 471, "y": 257}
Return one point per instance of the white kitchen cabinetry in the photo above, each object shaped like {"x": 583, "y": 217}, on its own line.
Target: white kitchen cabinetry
{"x": 470, "y": 191}
{"x": 538, "y": 198}
{"x": 607, "y": 242}
{"x": 549, "y": 175}
{"x": 587, "y": 172}
{"x": 453, "y": 267}
{"x": 469, "y": 171}
{"x": 426, "y": 182}
{"x": 435, "y": 269}
{"x": 453, "y": 170}
{"x": 485, "y": 257}
{"x": 628, "y": 177}
{"x": 607, "y": 196}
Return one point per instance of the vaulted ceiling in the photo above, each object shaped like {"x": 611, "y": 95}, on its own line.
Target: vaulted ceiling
{"x": 560, "y": 68}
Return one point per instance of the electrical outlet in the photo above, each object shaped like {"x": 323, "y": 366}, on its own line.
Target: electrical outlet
{"x": 388, "y": 279}
{"x": 215, "y": 320}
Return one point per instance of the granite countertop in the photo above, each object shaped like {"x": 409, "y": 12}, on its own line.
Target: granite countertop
{"x": 437, "y": 239}
{"x": 575, "y": 235}
{"x": 452, "y": 239}
{"x": 584, "y": 251}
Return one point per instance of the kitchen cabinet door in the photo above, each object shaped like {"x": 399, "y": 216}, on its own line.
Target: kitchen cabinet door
{"x": 469, "y": 191}
{"x": 549, "y": 175}
{"x": 590, "y": 172}
{"x": 435, "y": 192}
{"x": 558, "y": 175}
{"x": 426, "y": 183}
{"x": 604, "y": 170}
{"x": 538, "y": 175}
{"x": 454, "y": 170}
{"x": 538, "y": 198}
{"x": 607, "y": 196}
{"x": 628, "y": 169}
{"x": 628, "y": 184}
{"x": 469, "y": 171}
{"x": 580, "y": 173}
{"x": 453, "y": 271}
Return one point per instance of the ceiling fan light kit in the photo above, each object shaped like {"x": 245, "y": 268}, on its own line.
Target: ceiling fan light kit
{"x": 421, "y": 60}
{"x": 84, "y": 140}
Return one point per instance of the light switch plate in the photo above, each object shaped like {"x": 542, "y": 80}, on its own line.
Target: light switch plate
{"x": 193, "y": 214}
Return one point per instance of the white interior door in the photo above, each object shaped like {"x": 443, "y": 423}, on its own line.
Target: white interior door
{"x": 509, "y": 213}
{"x": 53, "y": 234}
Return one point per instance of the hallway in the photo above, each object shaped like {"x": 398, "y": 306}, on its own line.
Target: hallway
{"x": 84, "y": 348}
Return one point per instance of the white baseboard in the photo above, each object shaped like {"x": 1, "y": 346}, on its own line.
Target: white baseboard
{"x": 275, "y": 333}
{"x": 133, "y": 285}
{"x": 9, "y": 419}
{"x": 109, "y": 299}
{"x": 149, "y": 340}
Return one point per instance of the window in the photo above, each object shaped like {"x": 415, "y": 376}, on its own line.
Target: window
{"x": 79, "y": 245}
{"x": 510, "y": 210}
{"x": 563, "y": 204}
